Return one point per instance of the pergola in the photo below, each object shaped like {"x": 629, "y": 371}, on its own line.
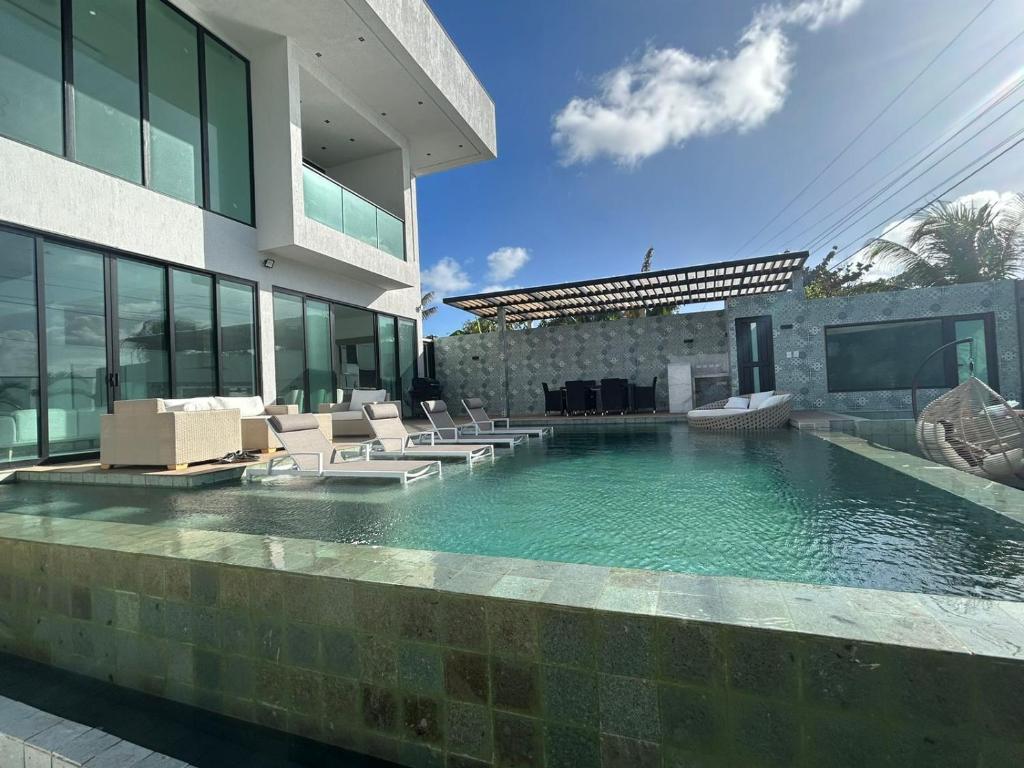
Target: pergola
{"x": 640, "y": 291}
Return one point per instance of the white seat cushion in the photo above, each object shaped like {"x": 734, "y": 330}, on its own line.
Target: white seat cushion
{"x": 247, "y": 406}
{"x": 1004, "y": 464}
{"x": 738, "y": 402}
{"x": 361, "y": 397}
{"x": 759, "y": 397}
{"x": 717, "y": 412}
{"x": 768, "y": 402}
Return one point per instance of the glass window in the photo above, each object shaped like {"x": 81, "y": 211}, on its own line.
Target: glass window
{"x": 318, "y": 354}
{"x": 142, "y": 330}
{"x": 19, "y": 344}
{"x": 108, "y": 128}
{"x": 388, "y": 341}
{"x": 238, "y": 338}
{"x": 31, "y": 74}
{"x": 322, "y": 199}
{"x": 176, "y": 157}
{"x": 971, "y": 329}
{"x": 391, "y": 234}
{"x": 289, "y": 350}
{"x": 884, "y": 355}
{"x": 356, "y": 347}
{"x": 76, "y": 348}
{"x": 407, "y": 356}
{"x": 195, "y": 360}
{"x": 227, "y": 116}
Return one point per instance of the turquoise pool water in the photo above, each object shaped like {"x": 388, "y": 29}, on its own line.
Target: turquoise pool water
{"x": 777, "y": 506}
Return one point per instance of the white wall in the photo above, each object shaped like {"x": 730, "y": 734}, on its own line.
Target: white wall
{"x": 380, "y": 179}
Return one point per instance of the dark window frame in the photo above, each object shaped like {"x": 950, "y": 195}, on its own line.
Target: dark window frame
{"x": 111, "y": 256}
{"x": 374, "y": 314}
{"x": 68, "y": 107}
{"x": 948, "y": 359}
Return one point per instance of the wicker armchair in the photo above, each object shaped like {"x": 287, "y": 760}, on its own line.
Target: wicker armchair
{"x": 717, "y": 416}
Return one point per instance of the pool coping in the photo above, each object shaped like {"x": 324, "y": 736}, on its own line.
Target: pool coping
{"x": 960, "y": 625}
{"x": 1002, "y": 499}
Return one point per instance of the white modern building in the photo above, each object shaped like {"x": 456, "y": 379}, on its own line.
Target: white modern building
{"x": 215, "y": 197}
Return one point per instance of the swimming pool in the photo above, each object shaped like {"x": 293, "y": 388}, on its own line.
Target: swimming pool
{"x": 781, "y": 505}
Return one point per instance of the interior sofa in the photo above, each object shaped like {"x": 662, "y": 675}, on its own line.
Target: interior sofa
{"x": 761, "y": 410}
{"x": 346, "y": 413}
{"x": 146, "y": 433}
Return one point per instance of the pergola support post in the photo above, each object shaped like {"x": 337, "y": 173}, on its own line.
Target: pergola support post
{"x": 503, "y": 331}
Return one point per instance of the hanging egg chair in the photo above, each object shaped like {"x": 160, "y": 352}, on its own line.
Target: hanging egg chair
{"x": 974, "y": 429}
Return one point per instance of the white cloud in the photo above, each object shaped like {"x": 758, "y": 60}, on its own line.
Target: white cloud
{"x": 505, "y": 262}
{"x": 446, "y": 277}
{"x": 669, "y": 95}
{"x": 497, "y": 287}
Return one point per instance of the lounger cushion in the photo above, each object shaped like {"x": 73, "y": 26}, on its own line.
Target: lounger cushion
{"x": 435, "y": 406}
{"x": 759, "y": 397}
{"x": 361, "y": 397}
{"x": 738, "y": 402}
{"x": 1004, "y": 464}
{"x": 717, "y": 412}
{"x": 768, "y": 402}
{"x": 297, "y": 422}
{"x": 382, "y": 411}
{"x": 473, "y": 402}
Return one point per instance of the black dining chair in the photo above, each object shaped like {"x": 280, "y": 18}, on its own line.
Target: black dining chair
{"x": 643, "y": 397}
{"x": 614, "y": 396}
{"x": 579, "y": 397}
{"x": 552, "y": 400}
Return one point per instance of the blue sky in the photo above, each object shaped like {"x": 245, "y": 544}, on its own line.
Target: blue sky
{"x": 686, "y": 126}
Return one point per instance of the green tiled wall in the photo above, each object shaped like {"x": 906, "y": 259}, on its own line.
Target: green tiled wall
{"x": 427, "y": 677}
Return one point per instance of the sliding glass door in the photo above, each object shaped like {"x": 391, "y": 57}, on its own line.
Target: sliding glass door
{"x": 19, "y": 349}
{"x": 407, "y": 356}
{"x": 387, "y": 340}
{"x": 142, "y": 336}
{"x": 76, "y": 348}
{"x": 318, "y": 354}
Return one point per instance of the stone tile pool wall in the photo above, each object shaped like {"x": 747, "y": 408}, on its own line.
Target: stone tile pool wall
{"x": 430, "y": 659}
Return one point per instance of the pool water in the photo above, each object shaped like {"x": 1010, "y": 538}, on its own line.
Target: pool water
{"x": 780, "y": 505}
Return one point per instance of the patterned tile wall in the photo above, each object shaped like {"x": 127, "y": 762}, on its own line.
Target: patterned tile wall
{"x": 806, "y": 376}
{"x": 637, "y": 350}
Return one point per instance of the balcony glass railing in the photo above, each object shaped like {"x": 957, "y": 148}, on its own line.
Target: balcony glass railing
{"x": 340, "y": 208}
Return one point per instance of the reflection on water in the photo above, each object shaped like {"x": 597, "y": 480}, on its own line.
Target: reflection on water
{"x": 779, "y": 506}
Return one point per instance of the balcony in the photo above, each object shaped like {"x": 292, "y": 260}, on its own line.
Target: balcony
{"x": 341, "y": 209}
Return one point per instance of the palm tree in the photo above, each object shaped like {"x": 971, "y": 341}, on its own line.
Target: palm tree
{"x": 427, "y": 306}
{"x": 959, "y": 243}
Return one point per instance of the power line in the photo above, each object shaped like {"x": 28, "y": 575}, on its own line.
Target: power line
{"x": 942, "y": 194}
{"x": 834, "y": 227}
{"x": 865, "y": 129}
{"x": 892, "y": 143}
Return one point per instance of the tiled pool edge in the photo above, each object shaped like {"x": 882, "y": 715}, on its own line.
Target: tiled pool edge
{"x": 414, "y": 656}
{"x": 1000, "y": 498}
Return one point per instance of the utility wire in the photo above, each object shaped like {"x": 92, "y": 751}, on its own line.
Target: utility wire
{"x": 938, "y": 197}
{"x": 892, "y": 143}
{"x": 828, "y": 233}
{"x": 865, "y": 129}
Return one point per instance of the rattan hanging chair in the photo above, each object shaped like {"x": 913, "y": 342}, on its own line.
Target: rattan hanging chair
{"x": 973, "y": 429}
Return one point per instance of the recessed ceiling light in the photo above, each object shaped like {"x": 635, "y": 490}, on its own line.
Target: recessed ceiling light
{"x": 428, "y": 154}
{"x": 318, "y": 54}
{"x": 420, "y": 103}
{"x": 327, "y": 122}
{"x": 383, "y": 114}
{"x": 460, "y": 146}
{"x": 351, "y": 139}
{"x": 361, "y": 39}
{"x": 324, "y": 148}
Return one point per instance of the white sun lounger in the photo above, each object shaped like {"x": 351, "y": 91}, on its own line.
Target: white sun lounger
{"x": 312, "y": 455}
{"x": 392, "y": 439}
{"x": 448, "y": 432}
{"x": 485, "y": 425}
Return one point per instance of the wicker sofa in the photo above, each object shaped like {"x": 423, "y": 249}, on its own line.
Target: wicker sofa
{"x": 145, "y": 433}
{"x": 772, "y": 413}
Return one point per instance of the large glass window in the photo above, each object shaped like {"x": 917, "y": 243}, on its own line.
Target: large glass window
{"x": 19, "y": 360}
{"x": 195, "y": 344}
{"x": 387, "y": 340}
{"x": 76, "y": 348}
{"x": 108, "y": 127}
{"x": 227, "y": 116}
{"x": 238, "y": 338}
{"x": 31, "y": 73}
{"x": 176, "y": 155}
{"x": 318, "y": 353}
{"x": 142, "y": 330}
{"x": 289, "y": 350}
{"x": 880, "y": 356}
{"x": 407, "y": 355}
{"x": 356, "y": 347}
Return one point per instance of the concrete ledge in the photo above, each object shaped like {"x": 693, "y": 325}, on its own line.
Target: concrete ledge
{"x": 31, "y": 738}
